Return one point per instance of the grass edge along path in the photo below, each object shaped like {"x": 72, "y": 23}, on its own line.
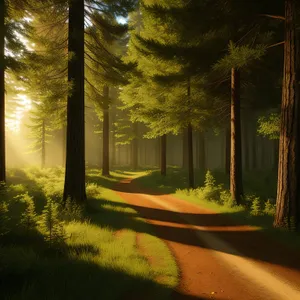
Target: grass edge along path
{"x": 94, "y": 262}
{"x": 155, "y": 183}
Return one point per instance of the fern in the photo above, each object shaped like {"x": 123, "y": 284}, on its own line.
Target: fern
{"x": 269, "y": 208}
{"x": 255, "y": 207}
{"x": 210, "y": 181}
{"x": 4, "y": 219}
{"x": 28, "y": 217}
{"x": 50, "y": 224}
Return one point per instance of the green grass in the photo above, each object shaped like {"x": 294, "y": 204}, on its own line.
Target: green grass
{"x": 263, "y": 184}
{"x": 99, "y": 258}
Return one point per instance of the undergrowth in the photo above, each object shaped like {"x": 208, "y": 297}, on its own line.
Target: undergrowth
{"x": 52, "y": 250}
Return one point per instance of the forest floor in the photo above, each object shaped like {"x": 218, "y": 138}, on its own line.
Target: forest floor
{"x": 141, "y": 240}
{"x": 218, "y": 257}
{"x": 106, "y": 255}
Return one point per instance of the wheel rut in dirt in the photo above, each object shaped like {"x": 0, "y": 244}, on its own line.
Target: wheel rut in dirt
{"x": 203, "y": 244}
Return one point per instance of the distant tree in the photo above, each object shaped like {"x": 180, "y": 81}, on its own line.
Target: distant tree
{"x": 40, "y": 130}
{"x": 2, "y": 90}
{"x": 104, "y": 39}
{"x": 75, "y": 153}
{"x": 11, "y": 12}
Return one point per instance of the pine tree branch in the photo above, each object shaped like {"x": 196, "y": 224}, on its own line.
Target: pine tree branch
{"x": 96, "y": 61}
{"x": 277, "y": 44}
{"x": 273, "y": 17}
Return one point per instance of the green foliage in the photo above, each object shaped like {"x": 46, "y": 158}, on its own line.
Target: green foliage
{"x": 269, "y": 126}
{"x": 72, "y": 211}
{"x": 270, "y": 208}
{"x": 239, "y": 57}
{"x": 29, "y": 217}
{"x": 255, "y": 207}
{"x": 226, "y": 199}
{"x": 96, "y": 256}
{"x": 50, "y": 224}
{"x": 210, "y": 191}
{"x": 4, "y": 218}
{"x": 209, "y": 180}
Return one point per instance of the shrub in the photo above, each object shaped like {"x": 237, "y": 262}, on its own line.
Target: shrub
{"x": 50, "y": 224}
{"x": 226, "y": 199}
{"x": 72, "y": 211}
{"x": 4, "y": 219}
{"x": 93, "y": 190}
{"x": 16, "y": 189}
{"x": 270, "y": 208}
{"x": 28, "y": 217}
{"x": 210, "y": 191}
{"x": 209, "y": 181}
{"x": 256, "y": 207}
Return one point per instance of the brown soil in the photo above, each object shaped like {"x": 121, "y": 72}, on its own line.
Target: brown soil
{"x": 217, "y": 259}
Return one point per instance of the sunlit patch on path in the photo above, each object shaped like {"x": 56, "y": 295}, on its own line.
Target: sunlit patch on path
{"x": 210, "y": 266}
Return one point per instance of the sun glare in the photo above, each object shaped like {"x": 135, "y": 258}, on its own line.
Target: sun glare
{"x": 14, "y": 123}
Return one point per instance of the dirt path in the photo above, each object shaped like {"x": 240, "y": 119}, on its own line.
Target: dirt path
{"x": 217, "y": 259}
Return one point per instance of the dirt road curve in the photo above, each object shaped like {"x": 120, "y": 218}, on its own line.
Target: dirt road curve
{"x": 216, "y": 258}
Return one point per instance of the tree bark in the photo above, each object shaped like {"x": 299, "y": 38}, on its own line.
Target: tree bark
{"x": 287, "y": 202}
{"x": 105, "y": 132}
{"x": 43, "y": 156}
{"x": 190, "y": 156}
{"x": 64, "y": 140}
{"x": 113, "y": 138}
{"x": 227, "y": 150}
{"x": 75, "y": 157}
{"x": 190, "y": 142}
{"x": 2, "y": 92}
{"x": 163, "y": 157}
{"x": 134, "y": 148}
{"x": 236, "y": 185}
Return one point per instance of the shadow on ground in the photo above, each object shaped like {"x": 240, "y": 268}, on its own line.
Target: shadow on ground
{"x": 261, "y": 183}
{"x": 169, "y": 226}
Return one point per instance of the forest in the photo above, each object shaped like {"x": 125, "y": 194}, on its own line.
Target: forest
{"x": 149, "y": 149}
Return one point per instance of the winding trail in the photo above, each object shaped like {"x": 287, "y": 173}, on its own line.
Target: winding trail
{"x": 217, "y": 259}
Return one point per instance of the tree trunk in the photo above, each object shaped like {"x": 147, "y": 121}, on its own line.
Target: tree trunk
{"x": 227, "y": 150}
{"x": 105, "y": 133}
{"x": 75, "y": 157}
{"x": 287, "y": 202}
{"x": 190, "y": 156}
{"x": 64, "y": 140}
{"x": 185, "y": 161}
{"x": 202, "y": 163}
{"x": 113, "y": 139}
{"x": 2, "y": 93}
{"x": 163, "y": 157}
{"x": 236, "y": 185}
{"x": 43, "y": 145}
{"x": 134, "y": 147}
